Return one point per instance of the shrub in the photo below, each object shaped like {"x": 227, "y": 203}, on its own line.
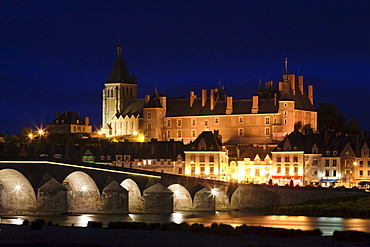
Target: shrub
{"x": 36, "y": 225}
{"x": 94, "y": 224}
{"x": 42, "y": 221}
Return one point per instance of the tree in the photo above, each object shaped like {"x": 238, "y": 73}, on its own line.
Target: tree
{"x": 352, "y": 127}
{"x": 328, "y": 116}
{"x": 26, "y": 136}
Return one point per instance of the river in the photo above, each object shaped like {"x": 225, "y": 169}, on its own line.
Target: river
{"x": 235, "y": 218}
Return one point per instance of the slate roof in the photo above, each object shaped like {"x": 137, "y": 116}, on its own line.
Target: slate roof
{"x": 133, "y": 107}
{"x": 68, "y": 117}
{"x": 208, "y": 140}
{"x": 251, "y": 152}
{"x": 119, "y": 71}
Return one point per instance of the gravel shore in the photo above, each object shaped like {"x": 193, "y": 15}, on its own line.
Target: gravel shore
{"x": 15, "y": 235}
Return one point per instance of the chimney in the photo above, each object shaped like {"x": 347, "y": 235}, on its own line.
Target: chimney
{"x": 300, "y": 83}
{"x": 281, "y": 85}
{"x": 204, "y": 97}
{"x": 229, "y": 105}
{"x": 147, "y": 98}
{"x": 310, "y": 93}
{"x": 58, "y": 114}
{"x": 87, "y": 120}
{"x": 212, "y": 100}
{"x": 192, "y": 98}
{"x": 291, "y": 79}
{"x": 163, "y": 100}
{"x": 255, "y": 104}
{"x": 275, "y": 99}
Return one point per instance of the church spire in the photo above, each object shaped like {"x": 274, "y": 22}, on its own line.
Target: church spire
{"x": 119, "y": 71}
{"x": 286, "y": 72}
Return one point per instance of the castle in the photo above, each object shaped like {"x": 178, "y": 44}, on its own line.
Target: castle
{"x": 268, "y": 117}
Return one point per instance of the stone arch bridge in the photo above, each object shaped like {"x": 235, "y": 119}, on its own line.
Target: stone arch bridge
{"x": 52, "y": 186}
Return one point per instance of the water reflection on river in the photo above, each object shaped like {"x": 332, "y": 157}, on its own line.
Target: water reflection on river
{"x": 235, "y": 218}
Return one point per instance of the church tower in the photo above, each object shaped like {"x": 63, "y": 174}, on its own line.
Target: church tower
{"x": 118, "y": 89}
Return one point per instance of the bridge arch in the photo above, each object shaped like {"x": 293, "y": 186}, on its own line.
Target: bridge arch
{"x": 16, "y": 192}
{"x": 83, "y": 194}
{"x": 135, "y": 203}
{"x": 181, "y": 197}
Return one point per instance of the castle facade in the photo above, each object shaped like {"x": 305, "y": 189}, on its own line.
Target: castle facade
{"x": 268, "y": 117}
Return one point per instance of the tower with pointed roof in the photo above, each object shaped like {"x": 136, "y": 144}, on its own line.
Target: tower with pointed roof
{"x": 118, "y": 89}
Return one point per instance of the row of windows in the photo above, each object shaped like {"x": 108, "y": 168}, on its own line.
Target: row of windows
{"x": 202, "y": 158}
{"x": 206, "y": 123}
{"x": 287, "y": 159}
{"x": 109, "y": 92}
{"x": 361, "y": 173}
{"x": 361, "y": 163}
{"x": 327, "y": 173}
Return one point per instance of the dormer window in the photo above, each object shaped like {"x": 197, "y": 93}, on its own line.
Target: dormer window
{"x": 201, "y": 147}
{"x": 77, "y": 121}
{"x": 365, "y": 153}
{"x": 327, "y": 152}
{"x": 335, "y": 153}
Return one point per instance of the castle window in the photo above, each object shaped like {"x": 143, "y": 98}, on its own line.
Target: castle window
{"x": 361, "y": 173}
{"x": 267, "y": 120}
{"x": 149, "y": 115}
{"x": 240, "y": 132}
{"x": 193, "y": 133}
{"x": 361, "y": 163}
{"x": 287, "y": 159}
{"x": 168, "y": 133}
{"x": 303, "y": 114}
{"x": 285, "y": 113}
{"x": 149, "y": 126}
{"x": 334, "y": 153}
{"x": 295, "y": 159}
{"x": 365, "y": 153}
{"x": 240, "y": 120}
{"x": 285, "y": 121}
{"x": 201, "y": 148}
{"x": 179, "y": 133}
{"x": 193, "y": 122}
{"x": 77, "y": 121}
{"x": 205, "y": 122}
{"x": 179, "y": 122}
{"x": 216, "y": 120}
{"x": 327, "y": 172}
{"x": 168, "y": 122}
{"x": 267, "y": 131}
{"x": 314, "y": 162}
{"x": 278, "y": 159}
{"x": 211, "y": 158}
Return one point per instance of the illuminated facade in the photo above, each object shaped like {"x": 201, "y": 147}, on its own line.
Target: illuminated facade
{"x": 253, "y": 165}
{"x": 266, "y": 118}
{"x": 70, "y": 123}
{"x": 206, "y": 157}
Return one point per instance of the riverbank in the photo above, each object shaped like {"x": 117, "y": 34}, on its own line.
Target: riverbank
{"x": 15, "y": 235}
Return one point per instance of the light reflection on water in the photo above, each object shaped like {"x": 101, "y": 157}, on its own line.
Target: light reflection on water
{"x": 235, "y": 218}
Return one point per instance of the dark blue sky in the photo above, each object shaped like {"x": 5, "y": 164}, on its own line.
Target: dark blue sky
{"x": 56, "y": 55}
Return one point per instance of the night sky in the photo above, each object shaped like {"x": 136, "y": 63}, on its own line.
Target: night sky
{"x": 56, "y": 55}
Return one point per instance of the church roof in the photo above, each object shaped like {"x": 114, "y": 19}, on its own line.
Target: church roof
{"x": 133, "y": 107}
{"x": 119, "y": 71}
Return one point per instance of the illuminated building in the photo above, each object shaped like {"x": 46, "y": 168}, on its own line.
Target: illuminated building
{"x": 69, "y": 122}
{"x": 266, "y": 118}
{"x": 206, "y": 157}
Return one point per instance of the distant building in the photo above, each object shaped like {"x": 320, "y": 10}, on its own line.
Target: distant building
{"x": 268, "y": 117}
{"x": 70, "y": 123}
